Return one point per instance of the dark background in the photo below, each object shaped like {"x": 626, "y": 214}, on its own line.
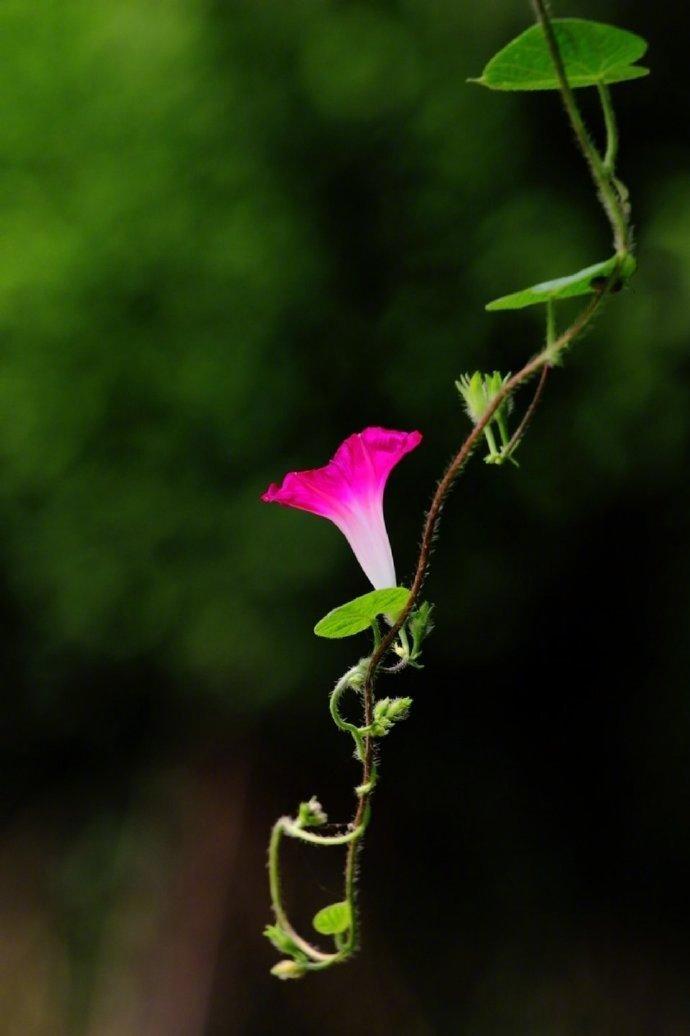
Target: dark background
{"x": 232, "y": 234}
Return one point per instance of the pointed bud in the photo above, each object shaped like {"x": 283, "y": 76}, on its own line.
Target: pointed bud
{"x": 471, "y": 389}
{"x": 311, "y": 814}
{"x": 280, "y": 939}
{"x": 478, "y": 392}
{"x": 387, "y": 712}
{"x": 420, "y": 625}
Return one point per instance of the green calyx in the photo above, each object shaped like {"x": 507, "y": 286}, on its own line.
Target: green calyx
{"x": 420, "y": 625}
{"x": 388, "y": 712}
{"x": 283, "y": 943}
{"x": 478, "y": 392}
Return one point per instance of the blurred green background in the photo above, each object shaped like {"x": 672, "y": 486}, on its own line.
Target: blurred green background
{"x": 231, "y": 235}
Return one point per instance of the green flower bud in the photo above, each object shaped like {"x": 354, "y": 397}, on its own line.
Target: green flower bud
{"x": 420, "y": 626}
{"x": 471, "y": 389}
{"x": 281, "y": 940}
{"x": 478, "y": 391}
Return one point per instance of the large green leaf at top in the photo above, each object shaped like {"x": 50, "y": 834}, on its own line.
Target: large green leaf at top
{"x": 592, "y": 53}
{"x": 359, "y": 614}
{"x": 584, "y": 282}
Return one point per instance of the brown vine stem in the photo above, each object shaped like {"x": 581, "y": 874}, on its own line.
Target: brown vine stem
{"x": 529, "y": 413}
{"x": 519, "y": 432}
{"x": 541, "y": 361}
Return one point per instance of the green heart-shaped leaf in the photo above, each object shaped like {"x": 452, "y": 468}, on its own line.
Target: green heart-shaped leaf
{"x": 359, "y": 614}
{"x": 592, "y": 53}
{"x": 333, "y": 919}
{"x": 584, "y": 282}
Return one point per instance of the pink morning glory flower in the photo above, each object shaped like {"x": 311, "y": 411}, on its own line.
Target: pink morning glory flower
{"x": 349, "y": 491}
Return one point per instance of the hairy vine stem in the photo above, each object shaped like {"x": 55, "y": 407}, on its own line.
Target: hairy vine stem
{"x": 601, "y": 168}
{"x": 362, "y": 678}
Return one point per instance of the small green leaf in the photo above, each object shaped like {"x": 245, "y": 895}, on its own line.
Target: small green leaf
{"x": 584, "y": 282}
{"x": 333, "y": 919}
{"x": 592, "y": 53}
{"x": 359, "y": 614}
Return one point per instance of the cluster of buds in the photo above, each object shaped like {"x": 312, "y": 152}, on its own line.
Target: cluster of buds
{"x": 388, "y": 712}
{"x": 478, "y": 392}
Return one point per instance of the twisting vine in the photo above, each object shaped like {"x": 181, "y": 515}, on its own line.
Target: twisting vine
{"x": 561, "y": 54}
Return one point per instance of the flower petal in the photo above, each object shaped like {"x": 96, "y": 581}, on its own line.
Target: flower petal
{"x": 317, "y": 491}
{"x": 367, "y": 458}
{"x": 349, "y": 491}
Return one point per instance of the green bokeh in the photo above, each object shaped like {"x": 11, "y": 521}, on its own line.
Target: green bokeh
{"x": 223, "y": 250}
